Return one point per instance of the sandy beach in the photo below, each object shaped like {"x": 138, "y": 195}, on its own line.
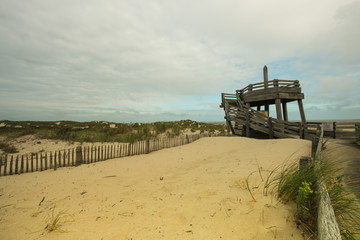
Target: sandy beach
{"x": 195, "y": 191}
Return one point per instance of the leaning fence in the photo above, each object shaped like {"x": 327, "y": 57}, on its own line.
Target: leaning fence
{"x": 32, "y": 162}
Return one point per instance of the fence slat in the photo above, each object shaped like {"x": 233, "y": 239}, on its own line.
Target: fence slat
{"x": 46, "y": 165}
{"x": 5, "y": 164}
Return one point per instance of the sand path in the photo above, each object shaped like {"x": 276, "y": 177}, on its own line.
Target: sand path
{"x": 195, "y": 191}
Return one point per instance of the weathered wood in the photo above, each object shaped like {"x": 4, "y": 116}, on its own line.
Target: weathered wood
{"x": 1, "y": 163}
{"x": 5, "y": 164}
{"x": 27, "y": 163}
{"x": 265, "y": 71}
{"x": 278, "y": 108}
{"x": 64, "y": 157}
{"x": 22, "y": 164}
{"x": 17, "y": 164}
{"x": 51, "y": 160}
{"x": 271, "y": 130}
{"x": 79, "y": 156}
{"x": 11, "y": 165}
{"x": 285, "y": 112}
{"x": 46, "y": 163}
{"x": 73, "y": 157}
{"x": 304, "y": 161}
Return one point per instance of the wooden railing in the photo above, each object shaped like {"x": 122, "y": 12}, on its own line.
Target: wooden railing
{"x": 270, "y": 84}
{"x": 23, "y": 163}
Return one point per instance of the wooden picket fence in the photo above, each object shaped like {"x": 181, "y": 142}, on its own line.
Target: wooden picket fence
{"x": 23, "y": 163}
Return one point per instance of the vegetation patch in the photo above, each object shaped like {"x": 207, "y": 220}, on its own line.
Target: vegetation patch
{"x": 104, "y": 131}
{"x": 7, "y": 147}
{"x": 300, "y": 186}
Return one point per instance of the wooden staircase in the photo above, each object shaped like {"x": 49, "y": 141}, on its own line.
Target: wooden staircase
{"x": 242, "y": 120}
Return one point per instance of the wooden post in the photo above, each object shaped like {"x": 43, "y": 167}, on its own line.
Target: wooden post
{"x": 278, "y": 108}
{"x": 304, "y": 161}
{"x": 64, "y": 156}
{"x": 5, "y": 164}
{"x": 302, "y": 113}
{"x": 271, "y": 131}
{"x": 285, "y": 112}
{"x": 301, "y": 130}
{"x": 51, "y": 160}
{"x": 59, "y": 158}
{"x": 78, "y": 156}
{"x": 303, "y": 119}
{"x": 27, "y": 162}
{"x": 276, "y": 83}
{"x": 73, "y": 157}
{"x": 32, "y": 162}
{"x": 17, "y": 165}
{"x": 248, "y": 124}
{"x": 46, "y": 165}
{"x": 41, "y": 162}
{"x": 22, "y": 164}
{"x": 11, "y": 165}
{"x": 1, "y": 163}
{"x": 265, "y": 70}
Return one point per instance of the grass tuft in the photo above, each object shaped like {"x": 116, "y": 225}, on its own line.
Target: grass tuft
{"x": 56, "y": 220}
{"x": 300, "y": 186}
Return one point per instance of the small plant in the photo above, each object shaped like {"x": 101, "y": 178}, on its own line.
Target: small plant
{"x": 303, "y": 200}
{"x": 56, "y": 166}
{"x": 55, "y": 220}
{"x": 294, "y": 184}
{"x": 8, "y": 148}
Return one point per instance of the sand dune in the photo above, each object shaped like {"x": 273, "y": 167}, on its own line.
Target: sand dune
{"x": 195, "y": 191}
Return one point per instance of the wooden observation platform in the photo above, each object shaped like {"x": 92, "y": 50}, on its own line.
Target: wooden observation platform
{"x": 242, "y": 119}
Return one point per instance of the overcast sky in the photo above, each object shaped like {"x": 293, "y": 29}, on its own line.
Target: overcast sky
{"x": 164, "y": 60}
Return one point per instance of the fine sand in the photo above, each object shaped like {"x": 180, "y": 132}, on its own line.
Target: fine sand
{"x": 195, "y": 191}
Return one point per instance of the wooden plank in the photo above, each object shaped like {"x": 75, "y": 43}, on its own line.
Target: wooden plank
{"x": 51, "y": 160}
{"x": 46, "y": 163}
{"x": 73, "y": 157}
{"x": 11, "y": 165}
{"x": 22, "y": 164}
{"x": 64, "y": 157}
{"x": 1, "y": 163}
{"x": 79, "y": 157}
{"x": 69, "y": 158}
{"x": 5, "y": 164}
{"x": 17, "y": 164}
{"x": 27, "y": 163}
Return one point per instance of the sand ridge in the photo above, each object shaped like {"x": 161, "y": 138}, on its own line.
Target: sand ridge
{"x": 195, "y": 191}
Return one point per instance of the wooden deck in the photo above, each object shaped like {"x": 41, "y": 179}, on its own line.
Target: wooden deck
{"x": 242, "y": 119}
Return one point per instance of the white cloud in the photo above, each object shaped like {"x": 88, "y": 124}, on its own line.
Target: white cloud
{"x": 76, "y": 55}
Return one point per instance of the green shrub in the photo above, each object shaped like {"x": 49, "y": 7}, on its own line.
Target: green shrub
{"x": 8, "y": 148}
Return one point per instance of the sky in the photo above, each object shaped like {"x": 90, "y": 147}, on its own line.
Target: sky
{"x": 168, "y": 60}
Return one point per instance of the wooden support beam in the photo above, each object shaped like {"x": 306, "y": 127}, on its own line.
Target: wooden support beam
{"x": 278, "y": 108}
{"x": 258, "y": 108}
{"x": 248, "y": 120}
{"x": 303, "y": 119}
{"x": 267, "y": 107}
{"x": 285, "y": 112}
{"x": 301, "y": 109}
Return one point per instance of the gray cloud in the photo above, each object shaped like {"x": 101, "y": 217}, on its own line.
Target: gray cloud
{"x": 98, "y": 60}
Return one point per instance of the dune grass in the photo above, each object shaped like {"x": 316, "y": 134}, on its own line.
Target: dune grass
{"x": 56, "y": 220}
{"x": 300, "y": 185}
{"x": 7, "y": 147}
{"x": 103, "y": 131}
